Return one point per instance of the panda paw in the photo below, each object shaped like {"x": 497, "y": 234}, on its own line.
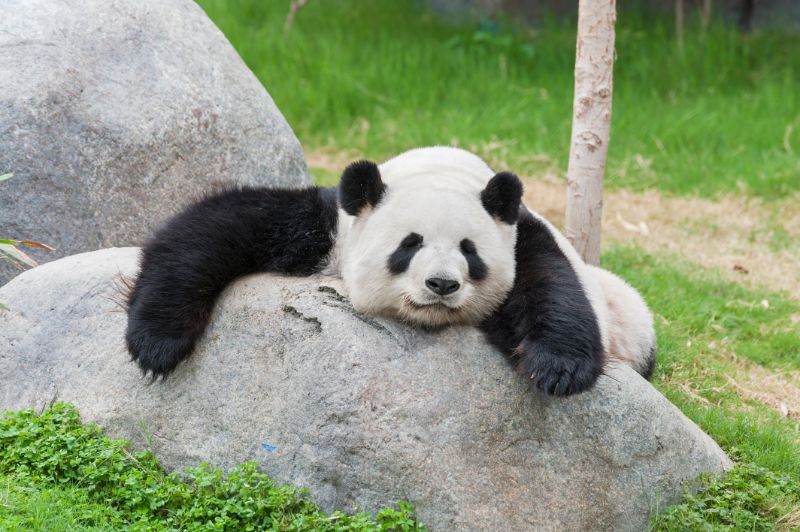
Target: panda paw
{"x": 554, "y": 373}
{"x": 155, "y": 354}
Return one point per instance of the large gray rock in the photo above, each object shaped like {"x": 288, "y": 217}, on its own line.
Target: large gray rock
{"x": 115, "y": 112}
{"x": 363, "y": 411}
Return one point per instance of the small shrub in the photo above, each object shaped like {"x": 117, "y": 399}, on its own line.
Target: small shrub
{"x": 747, "y": 497}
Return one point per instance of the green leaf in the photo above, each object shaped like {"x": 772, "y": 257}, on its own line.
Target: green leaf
{"x": 5, "y": 177}
{"x": 3, "y": 307}
{"x": 29, "y": 243}
{"x": 16, "y": 256}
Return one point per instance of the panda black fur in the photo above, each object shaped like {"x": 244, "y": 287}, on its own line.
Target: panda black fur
{"x": 432, "y": 236}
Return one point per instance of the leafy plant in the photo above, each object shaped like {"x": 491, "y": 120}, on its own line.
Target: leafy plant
{"x": 10, "y": 252}
{"x": 52, "y": 453}
{"x": 8, "y": 246}
{"x": 743, "y": 499}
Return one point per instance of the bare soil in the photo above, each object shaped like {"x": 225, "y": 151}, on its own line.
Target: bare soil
{"x": 747, "y": 239}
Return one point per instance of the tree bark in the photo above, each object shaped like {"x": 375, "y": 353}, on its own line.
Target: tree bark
{"x": 706, "y": 14}
{"x": 294, "y": 7}
{"x": 591, "y": 123}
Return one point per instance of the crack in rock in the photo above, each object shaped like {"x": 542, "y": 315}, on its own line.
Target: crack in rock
{"x": 333, "y": 293}
{"x": 343, "y": 303}
{"x": 297, "y": 314}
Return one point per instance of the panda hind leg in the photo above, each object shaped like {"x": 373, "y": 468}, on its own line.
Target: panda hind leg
{"x": 631, "y": 335}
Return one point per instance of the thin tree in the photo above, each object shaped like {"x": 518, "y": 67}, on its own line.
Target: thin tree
{"x": 705, "y": 14}
{"x": 294, "y": 8}
{"x": 591, "y": 123}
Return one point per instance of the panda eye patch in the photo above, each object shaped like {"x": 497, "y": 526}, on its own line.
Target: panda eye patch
{"x": 468, "y": 246}
{"x": 411, "y": 241}
{"x": 401, "y": 257}
{"x": 477, "y": 268}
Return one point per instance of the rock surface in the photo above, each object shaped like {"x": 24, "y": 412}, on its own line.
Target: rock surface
{"x": 113, "y": 113}
{"x": 362, "y": 411}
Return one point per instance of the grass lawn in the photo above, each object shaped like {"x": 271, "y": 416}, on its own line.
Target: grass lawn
{"x": 727, "y": 356}
{"x": 379, "y": 77}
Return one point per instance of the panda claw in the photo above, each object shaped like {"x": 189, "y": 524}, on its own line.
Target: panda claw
{"x": 556, "y": 374}
{"x": 157, "y": 356}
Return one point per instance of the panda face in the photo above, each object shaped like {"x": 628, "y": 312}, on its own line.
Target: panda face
{"x": 429, "y": 256}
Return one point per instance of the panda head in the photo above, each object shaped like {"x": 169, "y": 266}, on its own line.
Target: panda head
{"x": 427, "y": 254}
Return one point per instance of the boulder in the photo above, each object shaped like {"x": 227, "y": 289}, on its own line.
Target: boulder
{"x": 113, "y": 113}
{"x": 361, "y": 410}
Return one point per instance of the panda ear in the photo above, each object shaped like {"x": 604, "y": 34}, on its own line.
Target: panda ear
{"x": 502, "y": 196}
{"x": 361, "y": 186}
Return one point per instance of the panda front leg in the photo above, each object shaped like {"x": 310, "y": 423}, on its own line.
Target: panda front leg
{"x": 196, "y": 254}
{"x": 547, "y": 326}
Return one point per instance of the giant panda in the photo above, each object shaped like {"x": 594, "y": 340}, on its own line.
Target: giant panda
{"x": 432, "y": 237}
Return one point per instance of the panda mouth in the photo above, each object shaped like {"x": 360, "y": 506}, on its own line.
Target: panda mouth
{"x": 438, "y": 313}
{"x": 435, "y": 305}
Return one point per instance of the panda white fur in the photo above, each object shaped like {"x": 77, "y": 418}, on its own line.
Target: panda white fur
{"x": 433, "y": 237}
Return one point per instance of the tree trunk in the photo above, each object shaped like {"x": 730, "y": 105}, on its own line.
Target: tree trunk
{"x": 591, "y": 122}
{"x": 294, "y": 7}
{"x": 706, "y": 14}
{"x": 679, "y": 24}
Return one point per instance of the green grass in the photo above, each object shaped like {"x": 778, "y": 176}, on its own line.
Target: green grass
{"x": 56, "y": 474}
{"x": 28, "y": 506}
{"x": 748, "y": 497}
{"x": 382, "y": 76}
{"x": 698, "y": 306}
{"x": 706, "y": 327}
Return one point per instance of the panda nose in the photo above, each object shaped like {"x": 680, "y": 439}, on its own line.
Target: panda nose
{"x": 441, "y": 286}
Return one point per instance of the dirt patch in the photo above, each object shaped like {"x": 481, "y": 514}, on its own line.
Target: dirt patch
{"x": 331, "y": 161}
{"x": 777, "y": 390}
{"x": 746, "y": 238}
{"x": 790, "y": 521}
{"x": 749, "y": 240}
